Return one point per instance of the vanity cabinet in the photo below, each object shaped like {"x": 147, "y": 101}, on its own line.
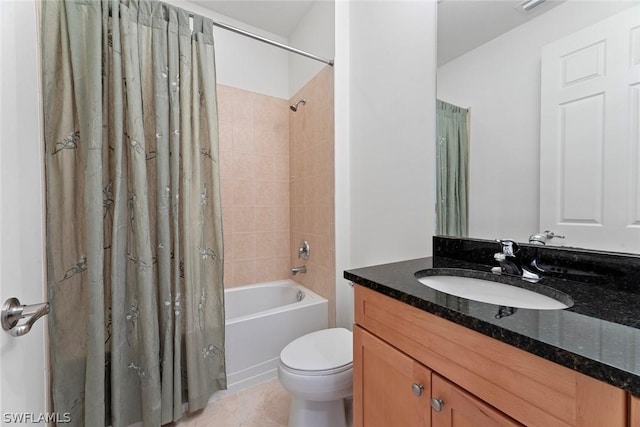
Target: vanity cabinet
{"x": 397, "y": 345}
{"x": 392, "y": 389}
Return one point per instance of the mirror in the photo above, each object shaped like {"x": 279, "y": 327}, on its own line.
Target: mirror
{"x": 489, "y": 62}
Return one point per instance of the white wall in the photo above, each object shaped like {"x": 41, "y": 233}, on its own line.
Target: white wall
{"x": 500, "y": 82}
{"x": 243, "y": 62}
{"x": 385, "y": 132}
{"x": 22, "y": 360}
{"x": 342, "y": 162}
{"x": 392, "y": 129}
{"x": 315, "y": 33}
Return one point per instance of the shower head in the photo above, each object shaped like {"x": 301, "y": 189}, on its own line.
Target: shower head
{"x": 294, "y": 107}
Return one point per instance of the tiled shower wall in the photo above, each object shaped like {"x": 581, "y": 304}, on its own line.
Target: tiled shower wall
{"x": 312, "y": 185}
{"x": 277, "y": 176}
{"x": 254, "y": 171}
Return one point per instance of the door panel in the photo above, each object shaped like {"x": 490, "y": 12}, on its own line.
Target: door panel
{"x": 589, "y": 130}
{"x": 22, "y": 360}
{"x": 384, "y": 379}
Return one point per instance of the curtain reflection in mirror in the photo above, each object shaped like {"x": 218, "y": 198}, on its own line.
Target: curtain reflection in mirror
{"x": 452, "y": 166}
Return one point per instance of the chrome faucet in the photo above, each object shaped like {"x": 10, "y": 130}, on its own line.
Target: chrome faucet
{"x": 510, "y": 262}
{"x": 296, "y": 270}
{"x": 303, "y": 253}
{"x": 507, "y": 257}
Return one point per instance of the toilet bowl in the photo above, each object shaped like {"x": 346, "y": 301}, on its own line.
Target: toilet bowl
{"x": 317, "y": 369}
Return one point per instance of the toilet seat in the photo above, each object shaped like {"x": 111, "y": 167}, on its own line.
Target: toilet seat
{"x": 324, "y": 352}
{"x": 317, "y": 373}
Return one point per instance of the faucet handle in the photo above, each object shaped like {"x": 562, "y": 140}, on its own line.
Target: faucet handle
{"x": 499, "y": 256}
{"x": 509, "y": 246}
{"x": 304, "y": 251}
{"x": 550, "y": 235}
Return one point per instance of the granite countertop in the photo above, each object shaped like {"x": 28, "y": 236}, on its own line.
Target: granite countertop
{"x": 598, "y": 336}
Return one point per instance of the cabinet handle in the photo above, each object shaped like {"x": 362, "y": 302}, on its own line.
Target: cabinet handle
{"x": 417, "y": 389}
{"x": 437, "y": 404}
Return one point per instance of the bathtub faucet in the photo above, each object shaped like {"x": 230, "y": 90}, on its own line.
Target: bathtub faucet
{"x": 296, "y": 270}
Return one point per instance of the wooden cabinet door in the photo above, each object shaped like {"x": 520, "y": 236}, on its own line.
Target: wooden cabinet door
{"x": 390, "y": 389}
{"x": 634, "y": 411}
{"x": 461, "y": 409}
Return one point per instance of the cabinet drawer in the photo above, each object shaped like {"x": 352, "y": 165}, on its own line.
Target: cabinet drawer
{"x": 529, "y": 389}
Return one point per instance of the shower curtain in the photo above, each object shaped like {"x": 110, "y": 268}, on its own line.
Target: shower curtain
{"x": 452, "y": 165}
{"x": 134, "y": 232}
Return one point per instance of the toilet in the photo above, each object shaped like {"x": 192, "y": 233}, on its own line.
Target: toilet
{"x": 317, "y": 369}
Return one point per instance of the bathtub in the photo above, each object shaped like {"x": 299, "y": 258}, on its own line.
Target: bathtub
{"x": 261, "y": 320}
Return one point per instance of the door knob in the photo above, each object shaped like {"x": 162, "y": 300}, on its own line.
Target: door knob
{"x": 417, "y": 389}
{"x": 12, "y": 312}
{"x": 437, "y": 404}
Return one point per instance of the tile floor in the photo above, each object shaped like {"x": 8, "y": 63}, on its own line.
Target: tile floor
{"x": 264, "y": 405}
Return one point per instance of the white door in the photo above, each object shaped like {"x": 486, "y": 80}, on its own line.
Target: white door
{"x": 22, "y": 360}
{"x": 590, "y": 117}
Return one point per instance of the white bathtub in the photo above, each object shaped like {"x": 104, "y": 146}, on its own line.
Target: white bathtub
{"x": 261, "y": 320}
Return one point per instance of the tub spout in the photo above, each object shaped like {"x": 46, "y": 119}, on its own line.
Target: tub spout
{"x": 296, "y": 270}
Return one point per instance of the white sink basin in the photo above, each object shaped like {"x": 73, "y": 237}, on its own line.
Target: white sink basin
{"x": 491, "y": 292}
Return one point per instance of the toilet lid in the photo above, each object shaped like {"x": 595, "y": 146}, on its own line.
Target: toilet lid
{"x": 323, "y": 350}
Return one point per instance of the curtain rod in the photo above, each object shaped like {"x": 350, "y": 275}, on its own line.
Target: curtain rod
{"x": 271, "y": 42}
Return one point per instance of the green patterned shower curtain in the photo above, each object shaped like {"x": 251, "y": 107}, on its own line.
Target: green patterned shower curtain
{"x": 452, "y": 170}
{"x": 134, "y": 229}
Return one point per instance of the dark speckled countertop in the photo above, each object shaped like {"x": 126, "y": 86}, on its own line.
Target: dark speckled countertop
{"x": 598, "y": 336}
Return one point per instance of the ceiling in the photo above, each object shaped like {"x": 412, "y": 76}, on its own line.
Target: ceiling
{"x": 464, "y": 25}
{"x": 278, "y": 17}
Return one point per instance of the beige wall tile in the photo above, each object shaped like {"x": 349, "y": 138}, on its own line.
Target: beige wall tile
{"x": 244, "y": 165}
{"x": 244, "y": 272}
{"x": 282, "y": 145}
{"x": 265, "y": 219}
{"x": 244, "y": 246}
{"x": 242, "y": 104}
{"x": 282, "y": 194}
{"x": 242, "y": 138}
{"x": 265, "y": 168}
{"x": 225, "y": 128}
{"x": 226, "y": 164}
{"x": 283, "y": 267}
{"x": 271, "y": 113}
{"x": 228, "y": 274}
{"x": 243, "y": 219}
{"x": 243, "y": 192}
{"x": 282, "y": 243}
{"x": 312, "y": 185}
{"x": 283, "y": 220}
{"x": 281, "y": 166}
{"x": 265, "y": 141}
{"x": 254, "y": 160}
{"x": 266, "y": 193}
{"x": 266, "y": 269}
{"x": 265, "y": 244}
